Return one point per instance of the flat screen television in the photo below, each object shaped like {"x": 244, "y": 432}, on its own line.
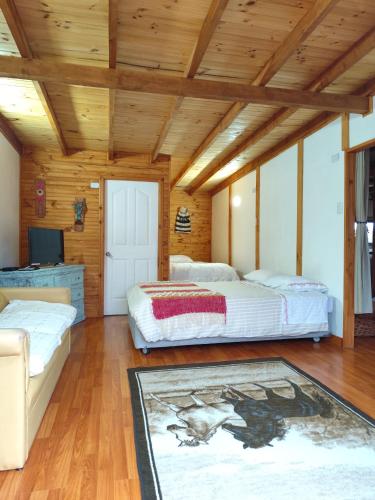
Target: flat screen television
{"x": 46, "y": 246}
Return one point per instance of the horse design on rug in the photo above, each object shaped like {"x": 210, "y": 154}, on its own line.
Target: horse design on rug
{"x": 263, "y": 418}
{"x": 198, "y": 421}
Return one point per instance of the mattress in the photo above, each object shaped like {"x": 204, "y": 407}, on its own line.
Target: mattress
{"x": 250, "y": 313}
{"x": 42, "y": 347}
{"x": 202, "y": 271}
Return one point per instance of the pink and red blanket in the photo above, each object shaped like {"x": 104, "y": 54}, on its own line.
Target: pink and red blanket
{"x": 171, "y": 300}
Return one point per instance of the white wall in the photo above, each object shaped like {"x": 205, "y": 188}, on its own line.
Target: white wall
{"x": 323, "y": 214}
{"x": 361, "y": 128}
{"x": 243, "y": 224}
{"x": 9, "y": 204}
{"x": 219, "y": 237}
{"x": 278, "y": 212}
{"x": 323, "y": 210}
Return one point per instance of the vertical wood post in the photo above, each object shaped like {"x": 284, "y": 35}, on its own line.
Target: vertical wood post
{"x": 299, "y": 209}
{"x": 349, "y": 251}
{"x": 345, "y": 131}
{"x": 230, "y": 224}
{"x": 257, "y": 219}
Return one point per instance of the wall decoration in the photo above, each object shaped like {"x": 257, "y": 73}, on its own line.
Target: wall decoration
{"x": 80, "y": 209}
{"x": 40, "y": 198}
{"x": 183, "y": 222}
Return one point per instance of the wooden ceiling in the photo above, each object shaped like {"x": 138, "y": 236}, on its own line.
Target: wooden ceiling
{"x": 316, "y": 45}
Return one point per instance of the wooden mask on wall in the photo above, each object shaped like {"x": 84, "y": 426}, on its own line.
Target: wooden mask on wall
{"x": 40, "y": 198}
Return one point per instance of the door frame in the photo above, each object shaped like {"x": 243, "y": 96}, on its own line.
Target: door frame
{"x": 349, "y": 242}
{"x": 159, "y": 178}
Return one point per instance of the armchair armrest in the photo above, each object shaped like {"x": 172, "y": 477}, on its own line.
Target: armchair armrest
{"x": 13, "y": 342}
{"x": 13, "y": 387}
{"x": 61, "y": 295}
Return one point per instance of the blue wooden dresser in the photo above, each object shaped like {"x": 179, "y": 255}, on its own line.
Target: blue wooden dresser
{"x": 59, "y": 276}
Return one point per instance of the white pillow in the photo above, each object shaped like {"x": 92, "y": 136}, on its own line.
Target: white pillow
{"x": 36, "y": 316}
{"x": 179, "y": 259}
{"x": 259, "y": 275}
{"x": 294, "y": 283}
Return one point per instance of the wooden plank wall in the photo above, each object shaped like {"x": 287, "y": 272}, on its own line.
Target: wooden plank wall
{"x": 197, "y": 244}
{"x": 69, "y": 177}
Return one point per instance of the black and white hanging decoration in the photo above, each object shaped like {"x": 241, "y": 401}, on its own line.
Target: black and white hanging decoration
{"x": 183, "y": 222}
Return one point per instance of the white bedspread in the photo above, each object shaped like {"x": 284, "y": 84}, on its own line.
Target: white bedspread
{"x": 252, "y": 311}
{"x": 304, "y": 307}
{"x": 202, "y": 271}
{"x": 38, "y": 316}
{"x": 45, "y": 324}
{"x": 42, "y": 347}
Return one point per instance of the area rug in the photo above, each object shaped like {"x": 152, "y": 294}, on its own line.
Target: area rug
{"x": 248, "y": 430}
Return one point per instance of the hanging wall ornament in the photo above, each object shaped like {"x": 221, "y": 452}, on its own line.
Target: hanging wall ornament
{"x": 183, "y": 222}
{"x": 40, "y": 198}
{"x": 80, "y": 208}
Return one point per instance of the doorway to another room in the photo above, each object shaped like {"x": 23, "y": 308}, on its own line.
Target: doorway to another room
{"x": 130, "y": 239}
{"x": 365, "y": 323}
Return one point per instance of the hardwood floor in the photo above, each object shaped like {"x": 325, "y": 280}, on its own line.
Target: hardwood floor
{"x": 84, "y": 447}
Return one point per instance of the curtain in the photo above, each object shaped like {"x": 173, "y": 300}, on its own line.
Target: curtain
{"x": 362, "y": 275}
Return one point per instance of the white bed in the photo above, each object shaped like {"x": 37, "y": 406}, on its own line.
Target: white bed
{"x": 254, "y": 312}
{"x": 183, "y": 268}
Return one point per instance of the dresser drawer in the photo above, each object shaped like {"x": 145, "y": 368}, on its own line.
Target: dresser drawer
{"x": 77, "y": 293}
{"x": 43, "y": 282}
{"x": 68, "y": 279}
{"x": 62, "y": 281}
{"x": 76, "y": 278}
{"x": 80, "y": 306}
{"x": 20, "y": 282}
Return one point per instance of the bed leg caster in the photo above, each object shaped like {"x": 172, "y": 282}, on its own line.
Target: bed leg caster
{"x": 316, "y": 339}
{"x": 146, "y": 350}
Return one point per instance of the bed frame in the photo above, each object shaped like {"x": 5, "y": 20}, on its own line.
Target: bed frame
{"x": 143, "y": 345}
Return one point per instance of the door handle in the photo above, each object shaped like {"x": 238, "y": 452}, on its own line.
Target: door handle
{"x": 108, "y": 254}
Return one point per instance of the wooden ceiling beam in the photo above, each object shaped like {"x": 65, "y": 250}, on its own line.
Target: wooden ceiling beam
{"x": 13, "y": 20}
{"x": 209, "y": 26}
{"x": 154, "y": 83}
{"x": 367, "y": 89}
{"x": 112, "y": 32}
{"x": 217, "y": 164}
{"x": 9, "y": 134}
{"x": 111, "y": 122}
{"x": 307, "y": 129}
{"x": 5, "y": 128}
{"x": 176, "y": 104}
{"x": 298, "y": 35}
{"x": 51, "y": 115}
{"x": 354, "y": 54}
{"x": 112, "y": 61}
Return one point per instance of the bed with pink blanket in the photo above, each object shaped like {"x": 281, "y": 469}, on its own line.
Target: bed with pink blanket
{"x": 165, "y": 314}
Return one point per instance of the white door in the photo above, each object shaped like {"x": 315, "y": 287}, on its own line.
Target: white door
{"x": 131, "y": 240}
